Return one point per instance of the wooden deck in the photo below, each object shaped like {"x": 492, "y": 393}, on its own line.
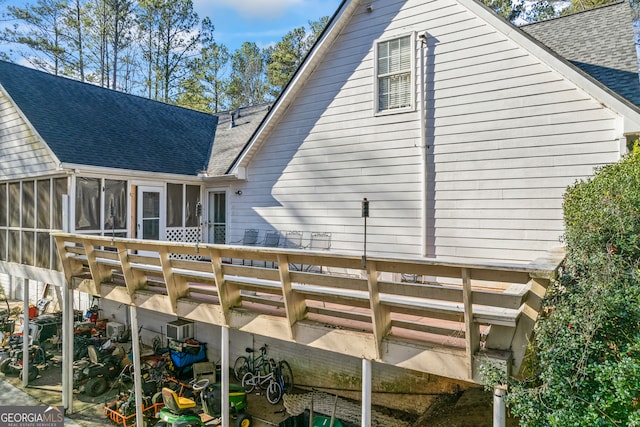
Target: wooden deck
{"x": 435, "y": 317}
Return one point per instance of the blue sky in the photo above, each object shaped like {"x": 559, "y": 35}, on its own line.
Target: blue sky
{"x": 261, "y": 21}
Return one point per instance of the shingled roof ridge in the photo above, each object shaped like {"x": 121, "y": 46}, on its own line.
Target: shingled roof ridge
{"x": 555, "y": 18}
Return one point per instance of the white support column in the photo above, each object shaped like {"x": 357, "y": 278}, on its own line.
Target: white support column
{"x": 366, "y": 393}
{"x": 499, "y": 408}
{"x": 67, "y": 325}
{"x": 224, "y": 381}
{"x": 67, "y": 349}
{"x": 25, "y": 332}
{"x": 137, "y": 377}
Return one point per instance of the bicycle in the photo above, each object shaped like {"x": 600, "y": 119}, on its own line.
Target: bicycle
{"x": 244, "y": 364}
{"x": 278, "y": 381}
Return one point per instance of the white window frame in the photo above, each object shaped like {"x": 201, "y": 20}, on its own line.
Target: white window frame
{"x": 411, "y": 70}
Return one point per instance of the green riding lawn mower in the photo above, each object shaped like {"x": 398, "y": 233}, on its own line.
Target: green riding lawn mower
{"x": 184, "y": 412}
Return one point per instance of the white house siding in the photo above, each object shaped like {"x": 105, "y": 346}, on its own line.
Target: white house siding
{"x": 506, "y": 135}
{"x": 21, "y": 151}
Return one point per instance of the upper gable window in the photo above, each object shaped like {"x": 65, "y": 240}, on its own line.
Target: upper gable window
{"x": 394, "y": 75}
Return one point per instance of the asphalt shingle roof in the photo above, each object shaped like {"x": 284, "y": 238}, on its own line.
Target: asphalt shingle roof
{"x": 230, "y": 140}
{"x": 88, "y": 125}
{"x": 600, "y": 42}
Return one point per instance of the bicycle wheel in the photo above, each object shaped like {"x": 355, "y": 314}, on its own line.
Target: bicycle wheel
{"x": 240, "y": 367}
{"x": 248, "y": 382}
{"x": 287, "y": 376}
{"x": 274, "y": 392}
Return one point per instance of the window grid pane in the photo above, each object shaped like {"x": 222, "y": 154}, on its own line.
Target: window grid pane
{"x": 3, "y": 205}
{"x": 394, "y": 74}
{"x": 14, "y": 204}
{"x": 27, "y": 247}
{"x": 87, "y": 204}
{"x": 59, "y": 189}
{"x": 44, "y": 203}
{"x": 115, "y": 204}
{"x": 174, "y": 205}
{"x": 192, "y": 199}
{"x": 43, "y": 249}
{"x": 3, "y": 244}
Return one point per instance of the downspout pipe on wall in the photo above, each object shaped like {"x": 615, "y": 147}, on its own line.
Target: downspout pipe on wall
{"x": 422, "y": 40}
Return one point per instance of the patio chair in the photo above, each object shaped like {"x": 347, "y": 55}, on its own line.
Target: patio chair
{"x": 272, "y": 240}
{"x": 320, "y": 241}
{"x": 250, "y": 238}
{"x": 293, "y": 240}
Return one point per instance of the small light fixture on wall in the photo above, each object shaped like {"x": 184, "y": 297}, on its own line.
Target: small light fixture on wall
{"x": 370, "y": 7}
{"x": 238, "y": 192}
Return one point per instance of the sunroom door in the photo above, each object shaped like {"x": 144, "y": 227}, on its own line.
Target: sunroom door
{"x": 150, "y": 213}
{"x": 216, "y": 217}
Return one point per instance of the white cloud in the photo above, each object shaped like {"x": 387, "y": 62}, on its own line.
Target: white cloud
{"x": 252, "y": 9}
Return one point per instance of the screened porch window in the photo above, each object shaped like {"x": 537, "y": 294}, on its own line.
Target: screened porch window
{"x": 101, "y": 206}
{"x": 182, "y": 201}
{"x": 115, "y": 204}
{"x": 28, "y": 211}
{"x": 394, "y": 66}
{"x": 87, "y": 203}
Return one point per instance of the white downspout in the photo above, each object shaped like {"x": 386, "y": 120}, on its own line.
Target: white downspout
{"x": 423, "y": 147}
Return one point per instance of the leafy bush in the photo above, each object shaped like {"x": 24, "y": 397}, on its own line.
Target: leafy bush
{"x": 585, "y": 369}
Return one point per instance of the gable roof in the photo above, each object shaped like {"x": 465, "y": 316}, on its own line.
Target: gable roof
{"x": 230, "y": 139}
{"x": 600, "y": 42}
{"x": 84, "y": 124}
{"x": 597, "y": 88}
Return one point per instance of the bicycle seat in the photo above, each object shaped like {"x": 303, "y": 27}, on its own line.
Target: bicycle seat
{"x": 248, "y": 350}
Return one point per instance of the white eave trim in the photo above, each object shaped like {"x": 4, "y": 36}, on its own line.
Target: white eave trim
{"x": 78, "y": 169}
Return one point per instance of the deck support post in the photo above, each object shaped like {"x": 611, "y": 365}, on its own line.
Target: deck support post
{"x": 67, "y": 349}
{"x": 224, "y": 381}
{"x": 137, "y": 377}
{"x": 366, "y": 393}
{"x": 67, "y": 317}
{"x": 499, "y": 408}
{"x": 25, "y": 333}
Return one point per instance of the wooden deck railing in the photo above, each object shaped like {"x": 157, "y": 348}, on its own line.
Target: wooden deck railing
{"x": 441, "y": 318}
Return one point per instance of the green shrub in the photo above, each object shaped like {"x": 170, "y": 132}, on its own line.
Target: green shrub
{"x": 586, "y": 365}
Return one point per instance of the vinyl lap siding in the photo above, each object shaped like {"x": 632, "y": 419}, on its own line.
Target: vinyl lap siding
{"x": 506, "y": 135}
{"x": 509, "y": 135}
{"x": 21, "y": 152}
